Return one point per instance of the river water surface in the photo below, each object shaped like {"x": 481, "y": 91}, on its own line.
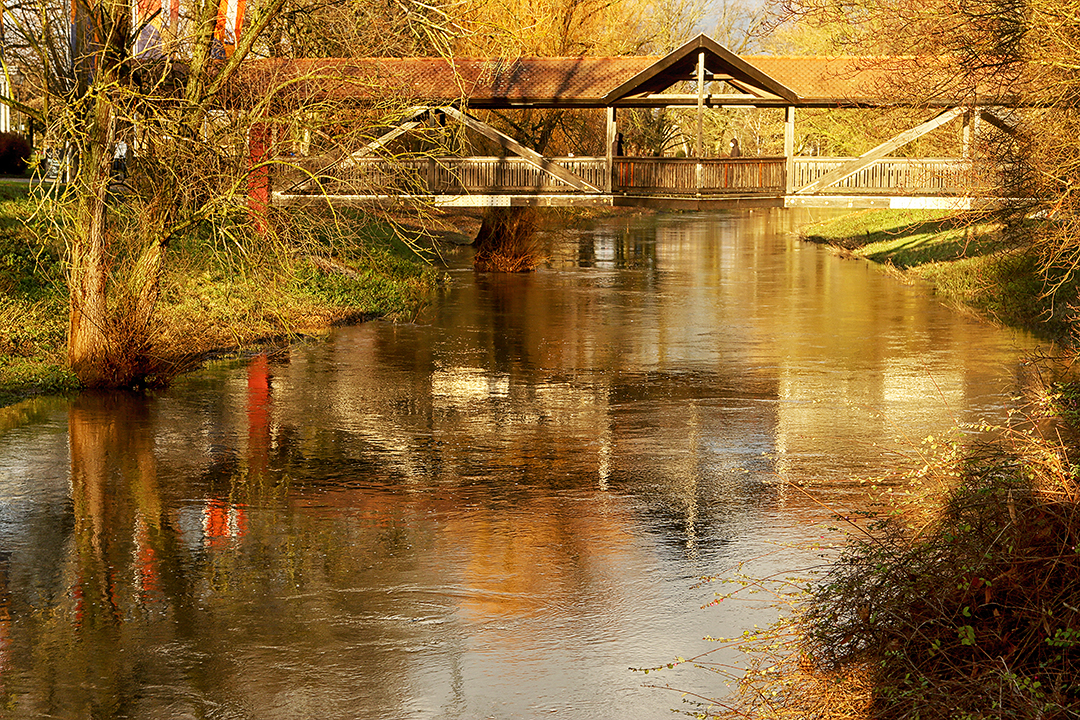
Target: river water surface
{"x": 492, "y": 512}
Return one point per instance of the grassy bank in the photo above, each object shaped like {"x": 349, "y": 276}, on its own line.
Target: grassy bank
{"x": 965, "y": 258}
{"x": 225, "y": 288}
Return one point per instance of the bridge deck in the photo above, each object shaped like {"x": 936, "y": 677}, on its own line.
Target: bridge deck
{"x": 722, "y": 79}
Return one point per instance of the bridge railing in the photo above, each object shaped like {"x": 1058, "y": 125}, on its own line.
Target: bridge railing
{"x": 689, "y": 176}
{"x": 673, "y": 176}
{"x": 473, "y": 175}
{"x": 649, "y": 176}
{"x": 493, "y": 175}
{"x": 930, "y": 176}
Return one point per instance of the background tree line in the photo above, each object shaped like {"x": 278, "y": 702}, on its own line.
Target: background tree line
{"x": 1024, "y": 50}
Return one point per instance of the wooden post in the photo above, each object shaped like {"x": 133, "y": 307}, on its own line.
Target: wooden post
{"x": 259, "y": 137}
{"x": 789, "y": 131}
{"x": 789, "y": 148}
{"x": 700, "y": 102}
{"x": 699, "y": 145}
{"x": 612, "y": 142}
{"x": 971, "y": 131}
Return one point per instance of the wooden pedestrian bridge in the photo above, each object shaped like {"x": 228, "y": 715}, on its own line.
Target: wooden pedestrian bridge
{"x": 454, "y": 92}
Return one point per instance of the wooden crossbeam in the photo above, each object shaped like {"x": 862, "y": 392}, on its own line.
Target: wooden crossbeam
{"x": 868, "y": 158}
{"x": 380, "y": 142}
{"x": 530, "y": 156}
{"x": 752, "y": 89}
{"x": 690, "y": 100}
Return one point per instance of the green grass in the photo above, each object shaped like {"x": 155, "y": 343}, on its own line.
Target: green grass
{"x": 13, "y": 189}
{"x": 223, "y": 289}
{"x": 232, "y": 289}
{"x": 908, "y": 238}
{"x": 33, "y": 305}
{"x": 964, "y": 257}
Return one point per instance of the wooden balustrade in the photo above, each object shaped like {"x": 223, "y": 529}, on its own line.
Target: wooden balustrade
{"x": 649, "y": 176}
{"x": 688, "y": 176}
{"x": 491, "y": 175}
{"x": 922, "y": 176}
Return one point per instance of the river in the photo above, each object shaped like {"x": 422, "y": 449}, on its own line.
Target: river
{"x": 492, "y": 512}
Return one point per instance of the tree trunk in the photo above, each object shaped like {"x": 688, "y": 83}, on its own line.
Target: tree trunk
{"x": 507, "y": 242}
{"x": 89, "y": 350}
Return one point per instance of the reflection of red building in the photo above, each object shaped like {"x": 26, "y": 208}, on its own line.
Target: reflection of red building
{"x": 223, "y": 522}
{"x": 258, "y": 413}
{"x": 147, "y": 570}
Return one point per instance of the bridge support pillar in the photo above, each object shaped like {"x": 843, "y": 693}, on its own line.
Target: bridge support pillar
{"x": 698, "y": 145}
{"x": 789, "y": 149}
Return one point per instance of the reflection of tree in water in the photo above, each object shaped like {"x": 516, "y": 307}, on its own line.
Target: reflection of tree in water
{"x": 117, "y": 563}
{"x": 505, "y": 297}
{"x": 91, "y": 637}
{"x": 5, "y": 615}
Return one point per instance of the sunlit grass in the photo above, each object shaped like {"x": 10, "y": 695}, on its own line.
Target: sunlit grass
{"x": 33, "y": 305}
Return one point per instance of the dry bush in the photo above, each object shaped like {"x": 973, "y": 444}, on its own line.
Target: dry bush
{"x": 978, "y": 613}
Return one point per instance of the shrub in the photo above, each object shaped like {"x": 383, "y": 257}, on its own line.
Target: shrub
{"x": 978, "y": 614}
{"x": 14, "y": 154}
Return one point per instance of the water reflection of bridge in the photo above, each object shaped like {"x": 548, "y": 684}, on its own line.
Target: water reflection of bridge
{"x": 448, "y": 90}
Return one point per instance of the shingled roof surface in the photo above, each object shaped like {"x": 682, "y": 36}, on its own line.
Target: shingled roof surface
{"x": 581, "y": 81}
{"x": 825, "y": 77}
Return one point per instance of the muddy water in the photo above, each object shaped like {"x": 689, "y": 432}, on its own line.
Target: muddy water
{"x": 492, "y": 512}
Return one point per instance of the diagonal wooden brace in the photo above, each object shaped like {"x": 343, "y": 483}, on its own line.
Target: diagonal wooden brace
{"x": 530, "y": 156}
{"x": 869, "y": 158}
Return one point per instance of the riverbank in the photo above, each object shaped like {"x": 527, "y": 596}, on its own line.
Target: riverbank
{"x": 959, "y": 598}
{"x": 222, "y": 292}
{"x": 966, "y": 259}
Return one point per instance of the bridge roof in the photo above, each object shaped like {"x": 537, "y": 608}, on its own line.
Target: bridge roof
{"x": 627, "y": 81}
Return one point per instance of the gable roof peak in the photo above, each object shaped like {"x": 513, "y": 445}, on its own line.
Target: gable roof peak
{"x": 673, "y": 67}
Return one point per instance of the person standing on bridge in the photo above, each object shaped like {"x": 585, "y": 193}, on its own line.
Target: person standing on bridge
{"x": 120, "y": 160}
{"x": 735, "y": 151}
